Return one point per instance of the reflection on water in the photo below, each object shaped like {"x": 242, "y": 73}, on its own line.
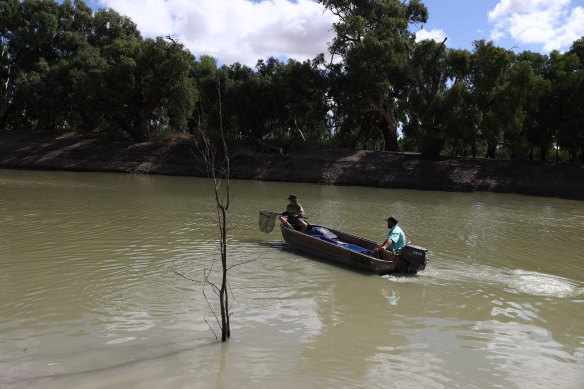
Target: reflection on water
{"x": 91, "y": 298}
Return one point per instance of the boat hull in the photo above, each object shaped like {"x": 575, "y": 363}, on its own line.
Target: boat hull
{"x": 334, "y": 252}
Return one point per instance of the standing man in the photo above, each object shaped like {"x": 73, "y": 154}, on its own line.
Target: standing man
{"x": 396, "y": 239}
{"x": 293, "y": 215}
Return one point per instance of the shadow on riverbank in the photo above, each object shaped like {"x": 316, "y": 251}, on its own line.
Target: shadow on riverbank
{"x": 179, "y": 156}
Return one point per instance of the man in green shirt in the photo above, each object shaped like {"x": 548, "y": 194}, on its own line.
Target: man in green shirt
{"x": 396, "y": 239}
{"x": 293, "y": 215}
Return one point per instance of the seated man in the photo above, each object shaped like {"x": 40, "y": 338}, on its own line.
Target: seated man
{"x": 396, "y": 239}
{"x": 292, "y": 218}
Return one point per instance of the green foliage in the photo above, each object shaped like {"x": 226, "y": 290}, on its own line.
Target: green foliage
{"x": 578, "y": 50}
{"x": 66, "y": 67}
{"x": 278, "y": 101}
{"x": 490, "y": 65}
{"x": 437, "y": 98}
{"x": 372, "y": 38}
{"x": 567, "y": 77}
{"x": 147, "y": 86}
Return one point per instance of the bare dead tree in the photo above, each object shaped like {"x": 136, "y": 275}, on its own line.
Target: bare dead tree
{"x": 215, "y": 155}
{"x": 216, "y": 159}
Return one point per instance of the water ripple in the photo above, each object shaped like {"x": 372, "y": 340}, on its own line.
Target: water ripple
{"x": 91, "y": 296}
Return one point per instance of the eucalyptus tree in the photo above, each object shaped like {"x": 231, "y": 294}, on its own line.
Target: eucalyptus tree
{"x": 210, "y": 81}
{"x": 271, "y": 102}
{"x": 64, "y": 67}
{"x": 538, "y": 104}
{"x": 578, "y": 50}
{"x": 109, "y": 26}
{"x": 296, "y": 93}
{"x": 240, "y": 95}
{"x": 95, "y": 95}
{"x": 567, "y": 76}
{"x": 574, "y": 125}
{"x": 52, "y": 64}
{"x": 372, "y": 39}
{"x": 572, "y": 135}
{"x": 45, "y": 42}
{"x": 235, "y": 89}
{"x": 490, "y": 66}
{"x": 146, "y": 83}
{"x": 436, "y": 97}
{"x": 280, "y": 100}
{"x": 10, "y": 11}
{"x": 518, "y": 96}
{"x": 30, "y": 29}
{"x": 71, "y": 76}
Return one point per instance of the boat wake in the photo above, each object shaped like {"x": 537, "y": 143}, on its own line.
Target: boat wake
{"x": 540, "y": 284}
{"x": 511, "y": 280}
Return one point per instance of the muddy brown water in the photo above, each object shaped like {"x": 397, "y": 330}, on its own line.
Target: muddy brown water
{"x": 90, "y": 298}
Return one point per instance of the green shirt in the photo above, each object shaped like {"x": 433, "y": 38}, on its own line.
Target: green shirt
{"x": 398, "y": 238}
{"x": 295, "y": 210}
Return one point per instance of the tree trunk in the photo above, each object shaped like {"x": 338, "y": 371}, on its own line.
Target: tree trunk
{"x": 3, "y": 118}
{"x": 390, "y": 137}
{"x": 433, "y": 142}
{"x": 137, "y": 133}
{"x": 223, "y": 206}
{"x": 141, "y": 130}
{"x": 454, "y": 149}
{"x": 389, "y": 130}
{"x": 491, "y": 149}
{"x": 543, "y": 152}
{"x": 224, "y": 295}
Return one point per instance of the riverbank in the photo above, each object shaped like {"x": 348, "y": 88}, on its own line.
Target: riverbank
{"x": 179, "y": 156}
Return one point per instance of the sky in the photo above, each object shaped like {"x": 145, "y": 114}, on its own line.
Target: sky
{"x": 246, "y": 30}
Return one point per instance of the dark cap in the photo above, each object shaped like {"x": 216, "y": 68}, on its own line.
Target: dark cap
{"x": 292, "y": 197}
{"x": 392, "y": 219}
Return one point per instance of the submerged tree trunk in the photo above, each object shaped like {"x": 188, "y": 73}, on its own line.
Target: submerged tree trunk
{"x": 223, "y": 295}
{"x": 219, "y": 172}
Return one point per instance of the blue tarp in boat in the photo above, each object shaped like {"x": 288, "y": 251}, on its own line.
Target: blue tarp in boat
{"x": 325, "y": 234}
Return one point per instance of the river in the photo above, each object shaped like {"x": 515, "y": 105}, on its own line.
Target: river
{"x": 95, "y": 289}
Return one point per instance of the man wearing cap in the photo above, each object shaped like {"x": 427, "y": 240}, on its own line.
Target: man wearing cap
{"x": 396, "y": 239}
{"x": 293, "y": 215}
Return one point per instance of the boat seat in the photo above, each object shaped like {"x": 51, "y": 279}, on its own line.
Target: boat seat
{"x": 327, "y": 233}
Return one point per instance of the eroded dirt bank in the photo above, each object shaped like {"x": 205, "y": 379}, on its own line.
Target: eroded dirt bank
{"x": 179, "y": 156}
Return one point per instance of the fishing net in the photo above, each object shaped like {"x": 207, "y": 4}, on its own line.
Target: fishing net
{"x": 267, "y": 221}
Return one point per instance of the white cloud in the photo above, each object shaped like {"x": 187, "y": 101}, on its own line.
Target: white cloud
{"x": 436, "y": 34}
{"x": 509, "y": 7}
{"x": 235, "y": 30}
{"x": 553, "y": 24}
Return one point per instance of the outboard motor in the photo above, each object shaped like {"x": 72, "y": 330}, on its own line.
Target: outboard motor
{"x": 415, "y": 256}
